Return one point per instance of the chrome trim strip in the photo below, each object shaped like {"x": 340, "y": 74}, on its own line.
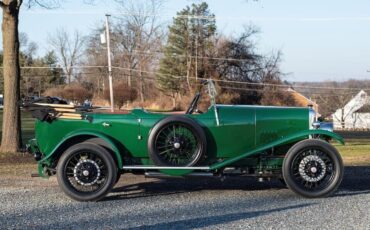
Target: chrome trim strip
{"x": 196, "y": 174}
{"x": 164, "y": 167}
{"x": 261, "y": 106}
{"x": 216, "y": 115}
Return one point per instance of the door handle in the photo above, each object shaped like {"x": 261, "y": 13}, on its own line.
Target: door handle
{"x": 105, "y": 124}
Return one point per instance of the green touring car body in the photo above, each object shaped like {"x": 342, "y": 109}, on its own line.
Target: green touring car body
{"x": 261, "y": 141}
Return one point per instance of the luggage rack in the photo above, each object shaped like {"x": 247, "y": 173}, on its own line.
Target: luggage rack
{"x": 63, "y": 111}
{"x": 49, "y": 112}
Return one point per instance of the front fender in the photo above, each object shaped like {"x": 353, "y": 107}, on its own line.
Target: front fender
{"x": 92, "y": 134}
{"x": 318, "y": 132}
{"x": 284, "y": 140}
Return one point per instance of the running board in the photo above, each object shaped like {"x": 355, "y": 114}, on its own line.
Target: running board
{"x": 164, "y": 167}
{"x": 162, "y": 175}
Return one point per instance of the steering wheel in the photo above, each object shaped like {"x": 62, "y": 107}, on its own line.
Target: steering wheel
{"x": 194, "y": 104}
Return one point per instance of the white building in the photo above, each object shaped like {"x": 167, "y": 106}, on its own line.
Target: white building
{"x": 355, "y": 114}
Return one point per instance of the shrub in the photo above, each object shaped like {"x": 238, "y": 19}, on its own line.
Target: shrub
{"x": 122, "y": 94}
{"x": 54, "y": 92}
{"x": 74, "y": 93}
{"x": 228, "y": 98}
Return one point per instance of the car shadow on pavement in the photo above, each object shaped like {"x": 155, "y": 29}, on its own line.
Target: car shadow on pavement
{"x": 170, "y": 186}
{"x": 203, "y": 222}
{"x": 145, "y": 189}
{"x": 356, "y": 181}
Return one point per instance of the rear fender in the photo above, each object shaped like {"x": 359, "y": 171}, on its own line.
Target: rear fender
{"x": 88, "y": 134}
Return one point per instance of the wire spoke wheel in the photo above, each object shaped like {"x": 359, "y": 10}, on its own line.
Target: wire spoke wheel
{"x": 176, "y": 141}
{"x": 176, "y": 144}
{"x": 313, "y": 168}
{"x": 86, "y": 172}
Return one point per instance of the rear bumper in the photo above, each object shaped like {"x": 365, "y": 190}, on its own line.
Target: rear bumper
{"x": 32, "y": 148}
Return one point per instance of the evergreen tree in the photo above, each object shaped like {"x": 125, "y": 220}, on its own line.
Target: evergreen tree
{"x": 34, "y": 81}
{"x": 189, "y": 39}
{"x": 54, "y": 75}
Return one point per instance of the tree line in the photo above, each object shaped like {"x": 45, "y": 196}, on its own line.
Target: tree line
{"x": 153, "y": 61}
{"x": 153, "y": 64}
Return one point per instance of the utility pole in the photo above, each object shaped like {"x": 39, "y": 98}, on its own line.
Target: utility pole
{"x": 109, "y": 62}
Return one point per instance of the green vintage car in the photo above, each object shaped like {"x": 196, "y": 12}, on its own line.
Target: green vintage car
{"x": 88, "y": 151}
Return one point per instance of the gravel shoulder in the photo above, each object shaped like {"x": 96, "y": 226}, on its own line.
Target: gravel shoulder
{"x": 137, "y": 202}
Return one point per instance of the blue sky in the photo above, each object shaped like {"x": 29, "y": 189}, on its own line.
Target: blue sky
{"x": 320, "y": 40}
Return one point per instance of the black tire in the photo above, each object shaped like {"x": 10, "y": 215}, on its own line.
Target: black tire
{"x": 187, "y": 146}
{"x": 86, "y": 172}
{"x": 313, "y": 168}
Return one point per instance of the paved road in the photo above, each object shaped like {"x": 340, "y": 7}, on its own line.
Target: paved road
{"x": 140, "y": 203}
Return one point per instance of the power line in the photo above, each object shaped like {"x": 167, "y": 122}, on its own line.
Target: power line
{"x": 51, "y": 75}
{"x": 275, "y": 90}
{"x": 48, "y": 67}
{"x": 216, "y": 80}
{"x": 182, "y": 16}
{"x": 302, "y": 19}
{"x": 148, "y": 53}
{"x": 242, "y": 82}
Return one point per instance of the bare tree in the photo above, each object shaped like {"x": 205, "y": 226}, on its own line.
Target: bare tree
{"x": 96, "y": 55}
{"x": 11, "y": 129}
{"x": 334, "y": 95}
{"x": 333, "y": 100}
{"x": 271, "y": 74}
{"x": 68, "y": 49}
{"x": 138, "y": 35}
{"x": 241, "y": 61}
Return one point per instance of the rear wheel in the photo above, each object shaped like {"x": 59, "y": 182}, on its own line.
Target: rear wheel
{"x": 86, "y": 172}
{"x": 313, "y": 168}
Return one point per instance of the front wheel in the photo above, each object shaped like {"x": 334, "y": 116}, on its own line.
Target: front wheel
{"x": 313, "y": 168}
{"x": 86, "y": 172}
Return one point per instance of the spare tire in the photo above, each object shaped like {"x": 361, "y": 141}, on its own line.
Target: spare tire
{"x": 176, "y": 141}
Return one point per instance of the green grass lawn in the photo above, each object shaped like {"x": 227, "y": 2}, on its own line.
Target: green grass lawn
{"x": 355, "y": 152}
{"x": 28, "y": 125}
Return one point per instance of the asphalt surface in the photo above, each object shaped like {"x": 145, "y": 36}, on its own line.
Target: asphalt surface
{"x": 139, "y": 203}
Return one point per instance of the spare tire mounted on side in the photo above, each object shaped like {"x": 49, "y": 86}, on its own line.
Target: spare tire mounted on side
{"x": 176, "y": 141}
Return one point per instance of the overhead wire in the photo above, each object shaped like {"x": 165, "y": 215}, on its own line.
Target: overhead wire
{"x": 222, "y": 81}
{"x": 303, "y": 19}
{"x": 275, "y": 90}
{"x": 243, "y": 82}
{"x": 215, "y": 80}
{"x": 149, "y": 53}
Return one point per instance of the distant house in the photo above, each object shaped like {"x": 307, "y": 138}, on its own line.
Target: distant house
{"x": 355, "y": 114}
{"x": 302, "y": 100}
